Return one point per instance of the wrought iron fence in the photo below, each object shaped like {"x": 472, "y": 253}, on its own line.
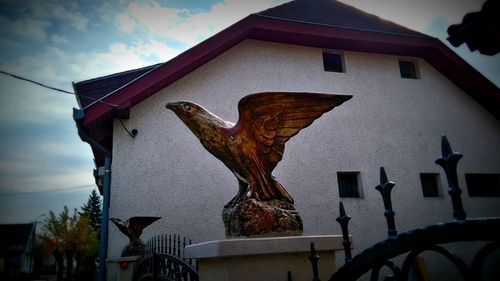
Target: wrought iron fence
{"x": 164, "y": 260}
{"x": 163, "y": 267}
{"x": 171, "y": 244}
{"x": 417, "y": 241}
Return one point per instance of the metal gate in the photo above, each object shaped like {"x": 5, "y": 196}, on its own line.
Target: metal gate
{"x": 164, "y": 260}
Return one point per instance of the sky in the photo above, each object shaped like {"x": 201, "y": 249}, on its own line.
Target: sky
{"x": 43, "y": 163}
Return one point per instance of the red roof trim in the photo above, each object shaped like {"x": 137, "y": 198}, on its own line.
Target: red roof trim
{"x": 173, "y": 70}
{"x": 323, "y": 36}
{"x": 290, "y": 32}
{"x": 255, "y": 27}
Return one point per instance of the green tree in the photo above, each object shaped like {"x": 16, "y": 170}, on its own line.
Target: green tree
{"x": 54, "y": 237}
{"x": 86, "y": 250}
{"x": 92, "y": 209}
{"x": 69, "y": 236}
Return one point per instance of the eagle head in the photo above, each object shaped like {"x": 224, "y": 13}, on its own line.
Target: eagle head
{"x": 193, "y": 115}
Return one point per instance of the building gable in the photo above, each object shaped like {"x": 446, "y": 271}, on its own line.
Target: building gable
{"x": 318, "y": 23}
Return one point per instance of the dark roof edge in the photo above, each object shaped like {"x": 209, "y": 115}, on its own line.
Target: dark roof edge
{"x": 114, "y": 91}
{"x": 105, "y": 77}
{"x": 421, "y": 35}
{"x": 257, "y": 27}
{"x": 183, "y": 64}
{"x": 214, "y": 45}
{"x": 477, "y": 86}
{"x": 77, "y": 96}
{"x": 118, "y": 74}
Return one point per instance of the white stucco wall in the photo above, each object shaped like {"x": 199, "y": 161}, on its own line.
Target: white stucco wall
{"x": 392, "y": 122}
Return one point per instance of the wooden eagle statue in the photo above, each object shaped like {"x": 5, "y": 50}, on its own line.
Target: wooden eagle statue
{"x": 253, "y": 146}
{"x": 251, "y": 149}
{"x": 133, "y": 228}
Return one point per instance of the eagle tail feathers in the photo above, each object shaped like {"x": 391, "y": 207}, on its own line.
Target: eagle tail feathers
{"x": 282, "y": 191}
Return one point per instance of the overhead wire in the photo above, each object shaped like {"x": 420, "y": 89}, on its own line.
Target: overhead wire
{"x": 61, "y": 91}
{"x": 35, "y": 82}
{"x": 54, "y": 88}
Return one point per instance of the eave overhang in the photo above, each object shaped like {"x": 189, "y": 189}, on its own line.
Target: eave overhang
{"x": 99, "y": 116}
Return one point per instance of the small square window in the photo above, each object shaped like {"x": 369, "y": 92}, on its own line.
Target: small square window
{"x": 430, "y": 184}
{"x": 333, "y": 62}
{"x": 348, "y": 184}
{"x": 407, "y": 69}
{"x": 487, "y": 185}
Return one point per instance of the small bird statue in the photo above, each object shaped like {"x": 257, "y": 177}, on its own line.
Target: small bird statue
{"x": 132, "y": 228}
{"x": 253, "y": 146}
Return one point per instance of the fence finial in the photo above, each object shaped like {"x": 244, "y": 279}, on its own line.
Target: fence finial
{"x": 314, "y": 258}
{"x": 449, "y": 161}
{"x": 343, "y": 220}
{"x": 385, "y": 188}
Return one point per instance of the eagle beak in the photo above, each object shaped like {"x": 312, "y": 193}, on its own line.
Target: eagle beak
{"x": 172, "y": 106}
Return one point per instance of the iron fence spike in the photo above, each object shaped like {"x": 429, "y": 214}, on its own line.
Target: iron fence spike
{"x": 385, "y": 188}
{"x": 383, "y": 176}
{"x": 314, "y": 262}
{"x": 343, "y": 220}
{"x": 341, "y": 209}
{"x": 445, "y": 146}
{"x": 449, "y": 161}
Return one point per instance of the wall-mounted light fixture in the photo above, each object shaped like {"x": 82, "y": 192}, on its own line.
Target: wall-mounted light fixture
{"x": 124, "y": 113}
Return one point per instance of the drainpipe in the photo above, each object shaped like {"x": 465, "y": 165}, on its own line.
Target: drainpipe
{"x": 78, "y": 115}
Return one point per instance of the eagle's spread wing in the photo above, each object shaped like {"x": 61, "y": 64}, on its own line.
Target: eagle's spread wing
{"x": 121, "y": 225}
{"x": 271, "y": 119}
{"x": 139, "y": 223}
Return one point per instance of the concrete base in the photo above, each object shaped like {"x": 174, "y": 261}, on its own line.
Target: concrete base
{"x": 121, "y": 269}
{"x": 264, "y": 258}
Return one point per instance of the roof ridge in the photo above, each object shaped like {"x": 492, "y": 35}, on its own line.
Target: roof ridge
{"x": 274, "y": 7}
{"x": 419, "y": 34}
{"x": 386, "y": 20}
{"x": 334, "y": 13}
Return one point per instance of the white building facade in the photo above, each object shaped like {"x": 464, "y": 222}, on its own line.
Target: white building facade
{"x": 391, "y": 121}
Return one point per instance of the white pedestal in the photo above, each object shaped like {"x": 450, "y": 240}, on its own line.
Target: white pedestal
{"x": 121, "y": 269}
{"x": 264, "y": 259}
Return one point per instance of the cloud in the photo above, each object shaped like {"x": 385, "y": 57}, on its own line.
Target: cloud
{"x": 118, "y": 57}
{"x": 59, "y": 181}
{"x": 21, "y": 173}
{"x": 75, "y": 19}
{"x": 29, "y": 103}
{"x": 25, "y": 103}
{"x": 44, "y": 151}
{"x": 42, "y": 157}
{"x": 67, "y": 13}
{"x": 184, "y": 25}
{"x": 36, "y": 204}
{"x": 27, "y": 28}
{"x": 151, "y": 15}
{"x": 127, "y": 23}
{"x": 59, "y": 40}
